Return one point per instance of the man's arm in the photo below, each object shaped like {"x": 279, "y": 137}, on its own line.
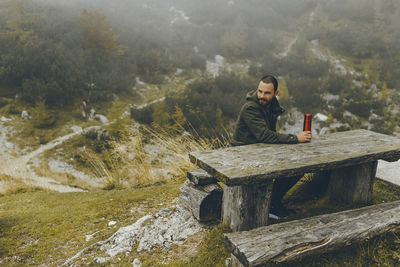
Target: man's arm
{"x": 254, "y": 119}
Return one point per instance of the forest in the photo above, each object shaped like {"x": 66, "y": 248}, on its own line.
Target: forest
{"x": 61, "y": 54}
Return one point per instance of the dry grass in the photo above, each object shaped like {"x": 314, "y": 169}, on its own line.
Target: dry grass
{"x": 62, "y": 177}
{"x": 10, "y": 185}
{"x": 146, "y": 156}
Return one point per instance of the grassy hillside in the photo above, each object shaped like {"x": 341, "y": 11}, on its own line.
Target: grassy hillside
{"x": 41, "y": 227}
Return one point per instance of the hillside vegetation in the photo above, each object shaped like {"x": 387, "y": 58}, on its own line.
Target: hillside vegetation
{"x": 105, "y": 99}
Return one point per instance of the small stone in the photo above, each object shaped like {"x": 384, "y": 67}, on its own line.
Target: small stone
{"x": 101, "y": 259}
{"x": 9, "y": 145}
{"x": 25, "y": 115}
{"x": 111, "y": 223}
{"x": 228, "y": 261}
{"x": 4, "y": 119}
{"x": 103, "y": 119}
{"x": 76, "y": 129}
{"x": 320, "y": 117}
{"x": 136, "y": 263}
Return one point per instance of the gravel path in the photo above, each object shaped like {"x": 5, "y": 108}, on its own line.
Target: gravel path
{"x": 18, "y": 168}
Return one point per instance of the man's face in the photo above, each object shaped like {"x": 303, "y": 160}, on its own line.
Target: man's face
{"x": 265, "y": 93}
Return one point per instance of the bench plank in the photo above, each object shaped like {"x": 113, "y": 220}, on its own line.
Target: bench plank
{"x": 259, "y": 162}
{"x": 200, "y": 177}
{"x": 292, "y": 240}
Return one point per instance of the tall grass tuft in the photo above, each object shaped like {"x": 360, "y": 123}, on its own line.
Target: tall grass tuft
{"x": 147, "y": 155}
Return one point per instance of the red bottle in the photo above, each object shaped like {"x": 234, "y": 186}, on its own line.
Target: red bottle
{"x": 307, "y": 122}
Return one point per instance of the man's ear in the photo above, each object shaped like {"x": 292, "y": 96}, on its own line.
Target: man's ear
{"x": 276, "y": 92}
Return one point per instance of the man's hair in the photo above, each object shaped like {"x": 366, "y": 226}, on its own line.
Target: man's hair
{"x": 270, "y": 79}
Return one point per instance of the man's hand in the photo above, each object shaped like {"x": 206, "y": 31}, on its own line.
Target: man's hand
{"x": 303, "y": 137}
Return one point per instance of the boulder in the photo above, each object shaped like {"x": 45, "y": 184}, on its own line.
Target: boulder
{"x": 103, "y": 119}
{"x": 25, "y": 115}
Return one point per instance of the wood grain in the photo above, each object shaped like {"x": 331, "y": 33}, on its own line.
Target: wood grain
{"x": 204, "y": 202}
{"x": 293, "y": 240}
{"x": 200, "y": 177}
{"x": 246, "y": 206}
{"x": 352, "y": 185}
{"x": 259, "y": 162}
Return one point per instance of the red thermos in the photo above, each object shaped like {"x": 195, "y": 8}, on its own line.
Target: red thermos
{"x": 307, "y": 122}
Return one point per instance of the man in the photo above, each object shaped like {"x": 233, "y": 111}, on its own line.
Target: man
{"x": 257, "y": 124}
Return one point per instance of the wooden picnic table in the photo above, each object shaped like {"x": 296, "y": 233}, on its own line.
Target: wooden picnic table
{"x": 348, "y": 159}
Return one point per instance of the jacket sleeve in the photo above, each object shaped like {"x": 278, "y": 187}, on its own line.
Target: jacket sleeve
{"x": 257, "y": 125}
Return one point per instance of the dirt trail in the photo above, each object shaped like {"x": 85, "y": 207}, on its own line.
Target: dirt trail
{"x": 18, "y": 168}
{"x": 288, "y": 48}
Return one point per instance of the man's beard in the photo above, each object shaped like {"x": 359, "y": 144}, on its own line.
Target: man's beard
{"x": 263, "y": 102}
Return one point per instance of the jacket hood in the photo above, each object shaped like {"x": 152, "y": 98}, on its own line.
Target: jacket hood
{"x": 275, "y": 106}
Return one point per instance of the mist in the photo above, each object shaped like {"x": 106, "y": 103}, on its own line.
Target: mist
{"x": 330, "y": 55}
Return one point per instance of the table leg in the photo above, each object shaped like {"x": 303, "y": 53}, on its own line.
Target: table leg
{"x": 246, "y": 207}
{"x": 353, "y": 185}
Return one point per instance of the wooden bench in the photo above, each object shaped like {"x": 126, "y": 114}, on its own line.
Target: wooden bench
{"x": 202, "y": 195}
{"x": 295, "y": 239}
{"x": 348, "y": 159}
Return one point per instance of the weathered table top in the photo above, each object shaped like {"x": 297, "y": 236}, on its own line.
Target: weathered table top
{"x": 258, "y": 162}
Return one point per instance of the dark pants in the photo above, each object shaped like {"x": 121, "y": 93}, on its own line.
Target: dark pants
{"x": 281, "y": 187}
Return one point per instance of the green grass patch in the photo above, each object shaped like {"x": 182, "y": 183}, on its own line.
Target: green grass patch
{"x": 43, "y": 227}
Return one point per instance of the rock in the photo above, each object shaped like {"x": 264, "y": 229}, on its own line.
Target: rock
{"x": 9, "y": 145}
{"x": 136, "y": 263}
{"x": 389, "y": 171}
{"x": 219, "y": 60}
{"x": 103, "y": 119}
{"x": 373, "y": 116}
{"x": 139, "y": 83}
{"x": 315, "y": 42}
{"x": 228, "y": 261}
{"x": 320, "y": 117}
{"x": 215, "y": 67}
{"x": 25, "y": 115}
{"x": 169, "y": 226}
{"x": 91, "y": 114}
{"x": 101, "y": 259}
{"x": 349, "y": 115}
{"x": 4, "y": 119}
{"x": 111, "y": 223}
{"x": 330, "y": 97}
{"x": 76, "y": 129}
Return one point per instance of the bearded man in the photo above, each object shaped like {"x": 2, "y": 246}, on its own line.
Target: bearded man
{"x": 256, "y": 123}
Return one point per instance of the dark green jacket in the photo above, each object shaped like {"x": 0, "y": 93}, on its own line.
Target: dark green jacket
{"x": 256, "y": 125}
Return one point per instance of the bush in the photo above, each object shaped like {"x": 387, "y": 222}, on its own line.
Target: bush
{"x": 42, "y": 117}
{"x": 305, "y": 93}
{"x": 3, "y": 102}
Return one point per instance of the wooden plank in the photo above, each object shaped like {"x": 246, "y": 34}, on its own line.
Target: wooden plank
{"x": 296, "y": 239}
{"x": 201, "y": 177}
{"x": 246, "y": 206}
{"x": 352, "y": 185}
{"x": 258, "y": 162}
{"x": 203, "y": 201}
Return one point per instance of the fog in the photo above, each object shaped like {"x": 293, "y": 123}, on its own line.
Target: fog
{"x": 330, "y": 55}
